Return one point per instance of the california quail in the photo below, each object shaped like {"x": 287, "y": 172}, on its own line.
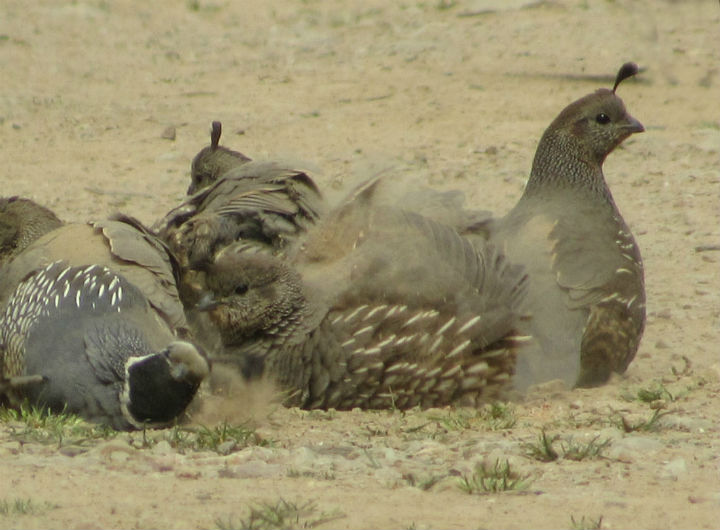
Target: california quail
{"x": 376, "y": 308}
{"x": 258, "y": 201}
{"x": 93, "y": 309}
{"x": 86, "y": 341}
{"x": 261, "y": 202}
{"x": 213, "y": 161}
{"x": 120, "y": 243}
{"x": 586, "y": 286}
{"x": 22, "y": 221}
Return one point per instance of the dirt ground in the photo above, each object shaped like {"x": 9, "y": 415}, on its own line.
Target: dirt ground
{"x": 450, "y": 94}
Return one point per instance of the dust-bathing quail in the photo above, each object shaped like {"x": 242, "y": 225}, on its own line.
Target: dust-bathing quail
{"x": 236, "y": 199}
{"x": 232, "y": 198}
{"x": 258, "y": 201}
{"x": 22, "y": 221}
{"x": 377, "y": 308}
{"x": 586, "y": 287}
{"x": 92, "y": 324}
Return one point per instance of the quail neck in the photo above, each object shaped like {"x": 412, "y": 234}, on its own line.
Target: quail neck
{"x": 572, "y": 150}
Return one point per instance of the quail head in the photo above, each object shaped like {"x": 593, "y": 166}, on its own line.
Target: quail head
{"x": 213, "y": 161}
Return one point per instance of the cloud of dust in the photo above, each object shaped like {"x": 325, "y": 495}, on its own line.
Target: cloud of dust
{"x": 227, "y": 397}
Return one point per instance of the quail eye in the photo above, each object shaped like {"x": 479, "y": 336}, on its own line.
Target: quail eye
{"x": 602, "y": 118}
{"x": 241, "y": 289}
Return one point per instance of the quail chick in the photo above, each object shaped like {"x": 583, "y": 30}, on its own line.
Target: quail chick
{"x": 586, "y": 282}
{"x": 22, "y": 221}
{"x": 86, "y": 341}
{"x": 376, "y": 308}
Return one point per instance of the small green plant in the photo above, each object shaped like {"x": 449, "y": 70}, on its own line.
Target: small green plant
{"x": 658, "y": 393}
{"x": 583, "y": 451}
{"x": 493, "y": 478}
{"x": 443, "y": 5}
{"x": 319, "y": 414}
{"x": 455, "y": 420}
{"x": 544, "y": 449}
{"x": 650, "y": 425}
{"x": 24, "y": 507}
{"x": 196, "y": 6}
{"x": 280, "y": 514}
{"x": 650, "y": 394}
{"x": 220, "y": 438}
{"x": 495, "y": 416}
{"x": 213, "y": 437}
{"x": 586, "y": 523}
{"x": 499, "y": 416}
{"x": 34, "y": 424}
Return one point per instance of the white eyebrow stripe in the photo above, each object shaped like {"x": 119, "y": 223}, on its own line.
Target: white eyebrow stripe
{"x": 470, "y": 323}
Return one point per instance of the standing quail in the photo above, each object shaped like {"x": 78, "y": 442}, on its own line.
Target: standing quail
{"x": 586, "y": 286}
{"x": 377, "y": 308}
{"x": 92, "y": 324}
{"x": 22, "y": 221}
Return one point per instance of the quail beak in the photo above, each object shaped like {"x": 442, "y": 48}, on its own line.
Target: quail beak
{"x": 631, "y": 125}
{"x": 207, "y": 303}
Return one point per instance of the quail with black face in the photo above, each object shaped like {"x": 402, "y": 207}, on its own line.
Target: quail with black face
{"x": 92, "y": 325}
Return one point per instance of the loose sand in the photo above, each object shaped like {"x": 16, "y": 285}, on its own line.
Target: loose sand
{"x": 453, "y": 95}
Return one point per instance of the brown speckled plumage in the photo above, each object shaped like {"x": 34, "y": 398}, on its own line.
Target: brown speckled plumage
{"x": 586, "y": 281}
{"x": 236, "y": 199}
{"x": 22, "y": 221}
{"x": 376, "y": 308}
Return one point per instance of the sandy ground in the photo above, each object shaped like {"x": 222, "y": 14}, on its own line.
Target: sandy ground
{"x": 440, "y": 93}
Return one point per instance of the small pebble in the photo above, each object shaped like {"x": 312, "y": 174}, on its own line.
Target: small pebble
{"x": 168, "y": 133}
{"x": 163, "y": 447}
